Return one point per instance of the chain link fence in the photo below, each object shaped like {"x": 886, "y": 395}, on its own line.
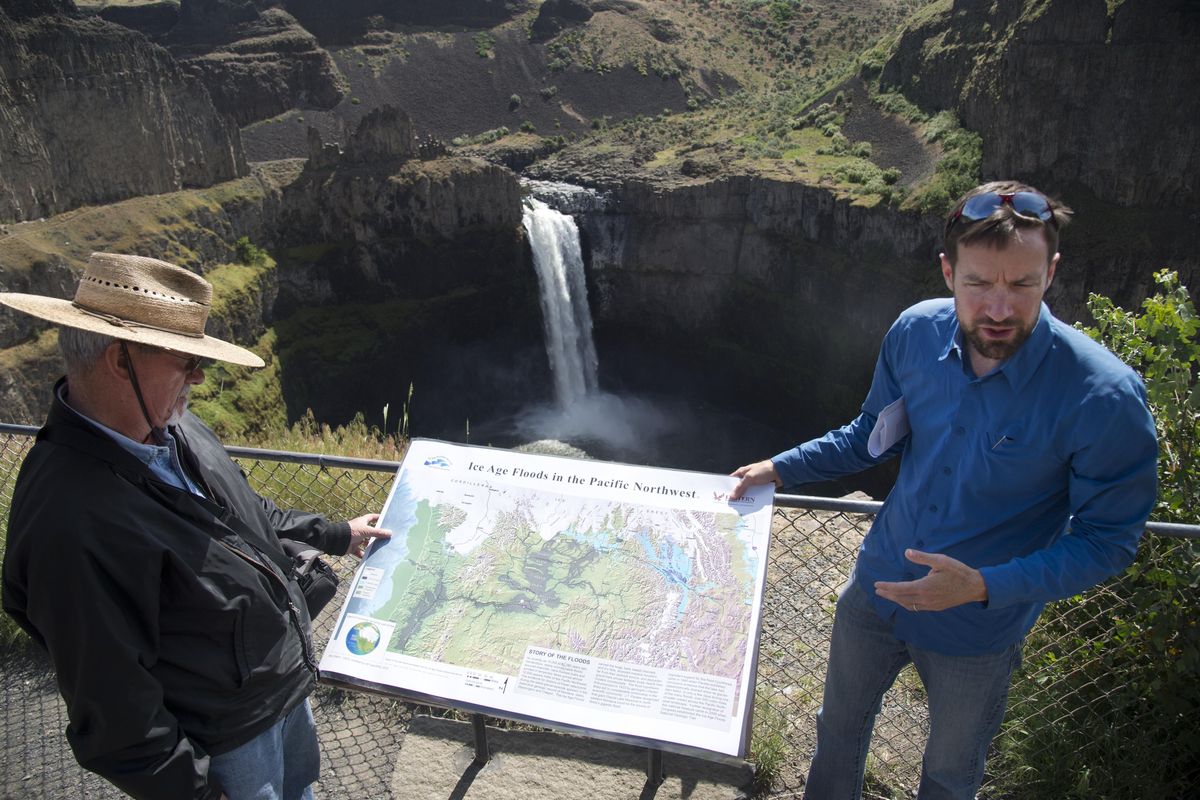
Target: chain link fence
{"x": 1066, "y": 684}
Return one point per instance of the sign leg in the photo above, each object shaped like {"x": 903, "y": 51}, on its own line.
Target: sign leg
{"x": 481, "y": 746}
{"x": 655, "y": 773}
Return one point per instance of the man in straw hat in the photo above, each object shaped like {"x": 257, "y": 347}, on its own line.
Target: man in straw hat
{"x": 141, "y": 559}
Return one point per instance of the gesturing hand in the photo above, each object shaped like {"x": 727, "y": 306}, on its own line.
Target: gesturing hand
{"x": 362, "y": 530}
{"x": 949, "y": 583}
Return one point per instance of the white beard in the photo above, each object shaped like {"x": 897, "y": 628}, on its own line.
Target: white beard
{"x": 177, "y": 412}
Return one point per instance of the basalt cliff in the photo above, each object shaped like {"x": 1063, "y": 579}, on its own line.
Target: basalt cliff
{"x": 1065, "y": 92}
{"x": 92, "y": 112}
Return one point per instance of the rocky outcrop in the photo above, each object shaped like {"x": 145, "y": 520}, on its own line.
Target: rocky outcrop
{"x": 556, "y": 15}
{"x": 1064, "y": 93}
{"x": 91, "y": 112}
{"x": 210, "y": 20}
{"x": 383, "y": 138}
{"x": 392, "y": 217}
{"x": 411, "y": 271}
{"x": 516, "y": 151}
{"x": 346, "y": 19}
{"x": 255, "y": 60}
{"x": 25, "y": 393}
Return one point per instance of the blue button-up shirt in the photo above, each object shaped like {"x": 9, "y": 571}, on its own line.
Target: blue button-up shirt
{"x": 994, "y": 469}
{"x": 163, "y": 460}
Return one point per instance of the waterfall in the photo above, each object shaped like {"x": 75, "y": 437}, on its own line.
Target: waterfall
{"x": 557, "y": 258}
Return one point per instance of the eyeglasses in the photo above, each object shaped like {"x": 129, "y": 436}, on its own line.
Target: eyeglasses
{"x": 1030, "y": 205}
{"x": 190, "y": 363}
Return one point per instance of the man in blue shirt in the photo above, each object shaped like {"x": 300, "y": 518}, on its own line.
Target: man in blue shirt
{"x": 1028, "y": 471}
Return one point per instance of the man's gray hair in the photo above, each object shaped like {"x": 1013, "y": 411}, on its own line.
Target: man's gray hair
{"x": 81, "y": 349}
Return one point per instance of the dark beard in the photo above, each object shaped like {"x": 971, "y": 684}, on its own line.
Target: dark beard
{"x": 998, "y": 351}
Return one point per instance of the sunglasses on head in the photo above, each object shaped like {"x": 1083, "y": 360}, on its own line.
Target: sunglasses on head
{"x": 1030, "y": 205}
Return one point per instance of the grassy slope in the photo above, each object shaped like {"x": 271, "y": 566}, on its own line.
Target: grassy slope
{"x": 168, "y": 226}
{"x": 793, "y": 59}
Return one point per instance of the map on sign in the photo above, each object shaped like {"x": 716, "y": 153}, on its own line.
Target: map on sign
{"x": 608, "y": 598}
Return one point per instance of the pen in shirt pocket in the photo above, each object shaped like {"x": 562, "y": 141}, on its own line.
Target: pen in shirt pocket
{"x": 1002, "y": 440}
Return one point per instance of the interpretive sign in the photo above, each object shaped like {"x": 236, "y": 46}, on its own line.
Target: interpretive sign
{"x": 613, "y": 600}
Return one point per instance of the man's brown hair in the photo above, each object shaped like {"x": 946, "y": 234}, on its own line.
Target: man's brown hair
{"x": 1004, "y": 224}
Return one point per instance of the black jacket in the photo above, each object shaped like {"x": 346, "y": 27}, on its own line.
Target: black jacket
{"x": 171, "y": 622}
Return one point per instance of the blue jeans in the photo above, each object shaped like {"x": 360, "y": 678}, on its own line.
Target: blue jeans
{"x": 967, "y": 698}
{"x": 278, "y": 764}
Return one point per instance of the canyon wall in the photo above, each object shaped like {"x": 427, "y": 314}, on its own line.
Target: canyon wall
{"x": 1064, "y": 93}
{"x": 771, "y": 296}
{"x": 389, "y": 270}
{"x": 91, "y": 112}
{"x": 349, "y": 18}
{"x": 427, "y": 262}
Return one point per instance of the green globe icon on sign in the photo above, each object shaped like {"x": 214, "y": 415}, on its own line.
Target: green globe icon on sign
{"x": 362, "y": 638}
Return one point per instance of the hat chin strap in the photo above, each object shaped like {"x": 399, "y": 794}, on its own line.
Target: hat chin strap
{"x": 156, "y": 434}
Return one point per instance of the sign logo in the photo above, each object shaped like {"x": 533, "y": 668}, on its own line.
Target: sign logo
{"x": 362, "y": 638}
{"x": 723, "y": 497}
{"x": 439, "y": 462}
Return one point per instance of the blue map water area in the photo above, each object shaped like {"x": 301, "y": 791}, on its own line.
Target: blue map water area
{"x": 602, "y": 541}
{"x": 752, "y": 558}
{"x": 672, "y": 562}
{"x": 386, "y": 554}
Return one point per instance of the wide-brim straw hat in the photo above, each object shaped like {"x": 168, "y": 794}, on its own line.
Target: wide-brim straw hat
{"x": 141, "y": 300}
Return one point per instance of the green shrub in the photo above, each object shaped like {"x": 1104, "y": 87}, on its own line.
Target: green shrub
{"x": 249, "y": 253}
{"x": 484, "y": 44}
{"x": 958, "y": 170}
{"x": 487, "y": 137}
{"x": 1109, "y": 698}
{"x": 1162, "y": 345}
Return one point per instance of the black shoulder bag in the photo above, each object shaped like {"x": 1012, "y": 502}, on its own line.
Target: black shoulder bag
{"x": 317, "y": 579}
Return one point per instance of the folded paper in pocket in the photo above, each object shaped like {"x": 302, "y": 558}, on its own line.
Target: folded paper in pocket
{"x": 890, "y": 427}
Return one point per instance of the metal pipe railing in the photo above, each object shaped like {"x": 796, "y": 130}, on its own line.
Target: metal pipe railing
{"x": 800, "y": 501}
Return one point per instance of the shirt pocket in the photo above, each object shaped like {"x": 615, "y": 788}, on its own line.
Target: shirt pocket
{"x": 1012, "y": 457}
{"x": 1006, "y": 441}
